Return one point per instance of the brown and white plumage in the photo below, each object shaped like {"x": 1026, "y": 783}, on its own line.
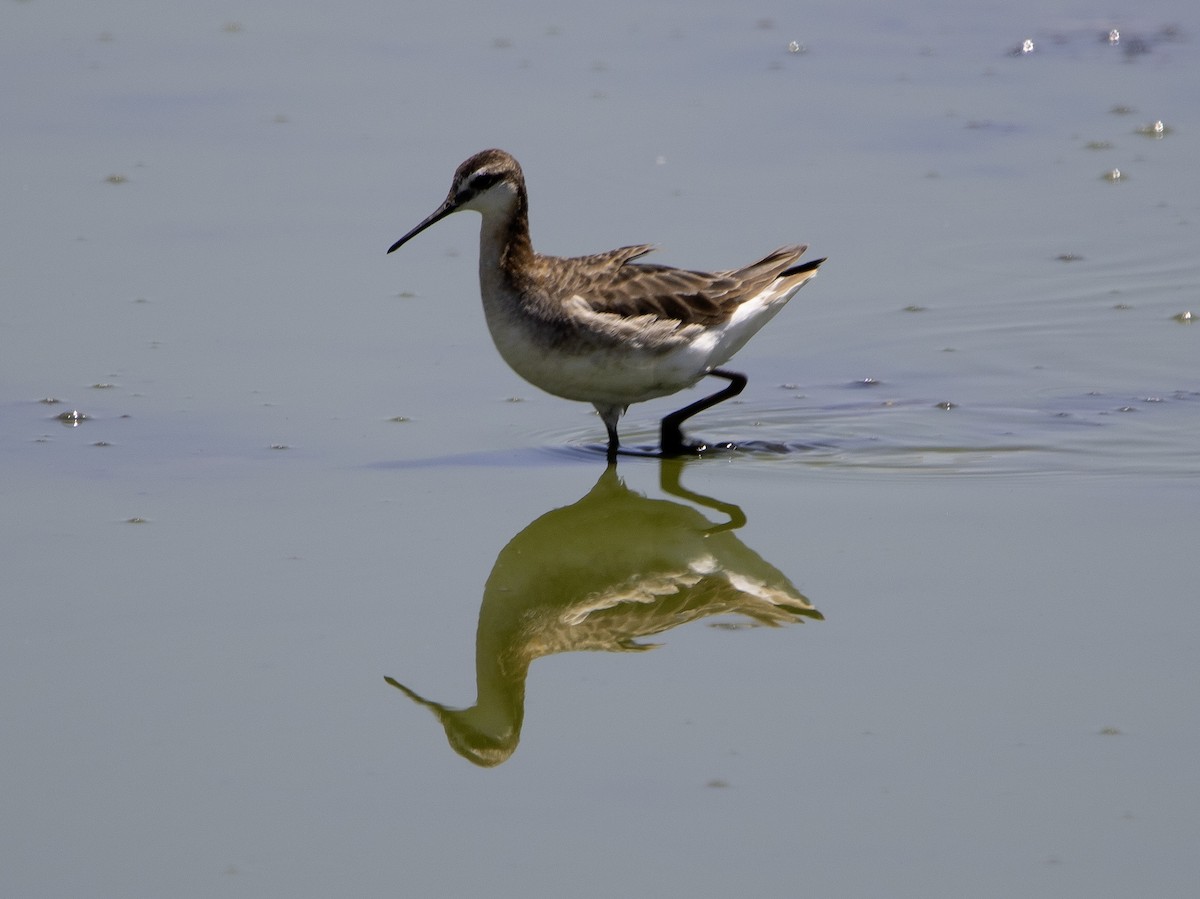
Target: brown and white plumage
{"x": 604, "y": 328}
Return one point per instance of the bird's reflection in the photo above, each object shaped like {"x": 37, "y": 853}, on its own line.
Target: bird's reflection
{"x": 597, "y": 575}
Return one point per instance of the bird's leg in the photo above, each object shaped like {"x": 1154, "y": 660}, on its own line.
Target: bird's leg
{"x": 610, "y": 415}
{"x": 672, "y": 438}
{"x": 614, "y": 444}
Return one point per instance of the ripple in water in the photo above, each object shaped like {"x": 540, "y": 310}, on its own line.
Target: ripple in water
{"x": 1056, "y": 432}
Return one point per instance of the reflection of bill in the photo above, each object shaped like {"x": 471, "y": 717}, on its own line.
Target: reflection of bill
{"x": 597, "y": 575}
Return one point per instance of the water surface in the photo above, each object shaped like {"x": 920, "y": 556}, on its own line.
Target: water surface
{"x": 925, "y": 633}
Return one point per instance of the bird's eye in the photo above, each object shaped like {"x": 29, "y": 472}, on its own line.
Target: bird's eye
{"x": 483, "y": 180}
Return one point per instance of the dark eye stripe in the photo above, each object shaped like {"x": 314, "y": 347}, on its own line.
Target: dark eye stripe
{"x": 484, "y": 180}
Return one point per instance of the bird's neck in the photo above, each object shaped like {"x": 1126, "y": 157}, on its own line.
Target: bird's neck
{"x": 505, "y": 249}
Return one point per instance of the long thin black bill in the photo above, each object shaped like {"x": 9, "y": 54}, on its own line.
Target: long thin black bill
{"x": 442, "y": 211}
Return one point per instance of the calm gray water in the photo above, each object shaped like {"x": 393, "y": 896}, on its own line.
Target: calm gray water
{"x": 929, "y": 633}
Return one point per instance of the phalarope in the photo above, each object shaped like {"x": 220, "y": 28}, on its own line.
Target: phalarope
{"x": 603, "y": 329}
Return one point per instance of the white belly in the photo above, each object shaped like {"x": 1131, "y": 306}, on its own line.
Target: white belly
{"x": 620, "y": 374}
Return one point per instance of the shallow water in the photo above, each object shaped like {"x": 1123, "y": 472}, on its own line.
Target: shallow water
{"x": 963, "y": 485}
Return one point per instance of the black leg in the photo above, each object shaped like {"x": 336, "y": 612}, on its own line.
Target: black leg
{"x": 613, "y": 443}
{"x": 610, "y": 415}
{"x": 672, "y": 438}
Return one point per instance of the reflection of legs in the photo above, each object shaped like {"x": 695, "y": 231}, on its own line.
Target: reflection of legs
{"x": 668, "y": 478}
{"x": 672, "y": 437}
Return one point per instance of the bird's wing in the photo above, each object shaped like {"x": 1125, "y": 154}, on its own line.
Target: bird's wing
{"x": 610, "y": 283}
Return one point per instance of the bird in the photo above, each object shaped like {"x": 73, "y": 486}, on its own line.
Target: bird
{"x": 606, "y": 329}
